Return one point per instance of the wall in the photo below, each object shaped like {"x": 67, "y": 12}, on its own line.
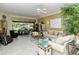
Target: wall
{"x": 0, "y": 24}
{"x": 11, "y": 18}
{"x": 47, "y": 19}
{"x": 19, "y": 19}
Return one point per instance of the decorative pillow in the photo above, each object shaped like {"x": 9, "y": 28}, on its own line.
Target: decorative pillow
{"x": 34, "y": 33}
{"x": 53, "y": 33}
{"x": 45, "y": 33}
{"x": 50, "y": 32}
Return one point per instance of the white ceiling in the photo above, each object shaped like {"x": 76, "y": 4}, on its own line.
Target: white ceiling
{"x": 30, "y": 9}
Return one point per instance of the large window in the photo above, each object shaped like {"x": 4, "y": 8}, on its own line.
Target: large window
{"x": 22, "y": 26}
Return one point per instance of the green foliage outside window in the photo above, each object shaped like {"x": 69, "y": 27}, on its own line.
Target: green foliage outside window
{"x": 22, "y": 26}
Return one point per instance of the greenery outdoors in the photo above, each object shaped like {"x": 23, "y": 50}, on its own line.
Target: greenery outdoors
{"x": 22, "y": 26}
{"x": 70, "y": 15}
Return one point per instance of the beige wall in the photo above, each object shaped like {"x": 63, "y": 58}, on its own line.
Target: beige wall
{"x": 19, "y": 19}
{"x": 11, "y": 18}
{"x": 47, "y": 19}
{"x": 0, "y": 24}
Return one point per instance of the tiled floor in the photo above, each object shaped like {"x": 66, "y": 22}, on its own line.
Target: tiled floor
{"x": 23, "y": 45}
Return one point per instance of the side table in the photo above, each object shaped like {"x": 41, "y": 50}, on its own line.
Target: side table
{"x": 45, "y": 51}
{"x": 73, "y": 49}
{"x": 77, "y": 50}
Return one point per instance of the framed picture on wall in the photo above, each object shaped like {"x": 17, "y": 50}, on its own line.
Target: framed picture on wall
{"x": 56, "y": 23}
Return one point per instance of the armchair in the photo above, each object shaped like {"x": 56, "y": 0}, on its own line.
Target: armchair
{"x": 13, "y": 34}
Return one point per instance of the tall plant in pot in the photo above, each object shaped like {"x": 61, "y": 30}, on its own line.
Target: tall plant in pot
{"x": 70, "y": 15}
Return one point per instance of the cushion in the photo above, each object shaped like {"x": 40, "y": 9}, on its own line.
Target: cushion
{"x": 34, "y": 33}
{"x": 45, "y": 32}
{"x": 50, "y": 32}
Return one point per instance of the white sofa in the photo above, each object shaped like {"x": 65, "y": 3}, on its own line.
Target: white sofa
{"x": 59, "y": 45}
{"x": 53, "y": 33}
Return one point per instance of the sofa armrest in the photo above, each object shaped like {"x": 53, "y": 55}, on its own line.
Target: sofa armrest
{"x": 57, "y": 47}
{"x": 65, "y": 44}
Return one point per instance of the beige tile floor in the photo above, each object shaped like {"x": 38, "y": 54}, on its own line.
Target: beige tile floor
{"x": 23, "y": 45}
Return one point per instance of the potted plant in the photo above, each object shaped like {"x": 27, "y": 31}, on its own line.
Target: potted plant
{"x": 70, "y": 15}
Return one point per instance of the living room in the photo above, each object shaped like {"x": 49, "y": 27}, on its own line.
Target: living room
{"x": 38, "y": 29}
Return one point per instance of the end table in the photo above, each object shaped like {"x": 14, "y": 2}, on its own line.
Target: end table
{"x": 45, "y": 50}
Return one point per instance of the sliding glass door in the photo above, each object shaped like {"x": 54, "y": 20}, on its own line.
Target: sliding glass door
{"x": 22, "y": 26}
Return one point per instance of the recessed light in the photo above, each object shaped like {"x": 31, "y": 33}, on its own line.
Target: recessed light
{"x": 43, "y": 10}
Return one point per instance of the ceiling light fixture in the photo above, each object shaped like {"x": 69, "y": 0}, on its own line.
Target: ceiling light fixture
{"x": 43, "y": 10}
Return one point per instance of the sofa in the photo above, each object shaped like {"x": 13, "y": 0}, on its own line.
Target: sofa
{"x": 53, "y": 33}
{"x": 59, "y": 45}
{"x": 5, "y": 39}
